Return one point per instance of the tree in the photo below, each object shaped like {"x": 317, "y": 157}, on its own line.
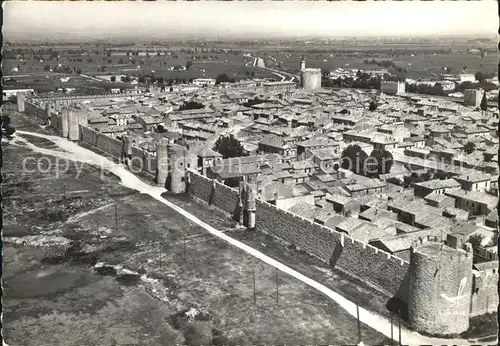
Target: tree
{"x": 475, "y": 240}
{"x": 480, "y": 76}
{"x": 223, "y": 78}
{"x": 188, "y": 64}
{"x": 113, "y": 79}
{"x": 353, "y": 158}
{"x": 191, "y": 105}
{"x": 46, "y": 68}
{"x": 79, "y": 71}
{"x": 229, "y": 147}
{"x": 484, "y": 103}
{"x": 379, "y": 162}
{"x": 469, "y": 147}
{"x": 373, "y": 106}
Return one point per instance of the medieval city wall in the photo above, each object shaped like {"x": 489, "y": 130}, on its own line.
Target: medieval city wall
{"x": 56, "y": 122}
{"x": 362, "y": 261}
{"x": 378, "y": 268}
{"x": 484, "y": 292}
{"x": 30, "y": 108}
{"x": 109, "y": 145}
{"x": 149, "y": 164}
{"x": 213, "y": 192}
{"x": 88, "y": 135}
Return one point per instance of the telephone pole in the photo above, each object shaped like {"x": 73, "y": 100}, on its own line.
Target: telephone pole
{"x": 254, "y": 293}
{"x": 159, "y": 245}
{"x": 184, "y": 240}
{"x": 277, "y": 290}
{"x": 392, "y": 328}
{"x": 399, "y": 324}
{"x": 359, "y": 324}
{"x": 116, "y": 217}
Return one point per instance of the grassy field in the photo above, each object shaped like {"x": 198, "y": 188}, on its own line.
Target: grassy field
{"x": 88, "y": 261}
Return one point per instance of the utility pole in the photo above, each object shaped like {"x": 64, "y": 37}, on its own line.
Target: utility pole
{"x": 399, "y": 323}
{"x": 159, "y": 245}
{"x": 277, "y": 291}
{"x": 254, "y": 294}
{"x": 184, "y": 240}
{"x": 116, "y": 217}
{"x": 97, "y": 222}
{"x": 392, "y": 328}
{"x": 359, "y": 324}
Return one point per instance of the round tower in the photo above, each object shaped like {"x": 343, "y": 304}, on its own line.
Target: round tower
{"x": 311, "y": 79}
{"x": 63, "y": 126}
{"x": 250, "y": 205}
{"x": 302, "y": 64}
{"x": 162, "y": 164}
{"x": 127, "y": 150}
{"x": 47, "y": 113}
{"x": 439, "y": 289}
{"x": 73, "y": 124}
{"x": 21, "y": 96}
{"x": 177, "y": 169}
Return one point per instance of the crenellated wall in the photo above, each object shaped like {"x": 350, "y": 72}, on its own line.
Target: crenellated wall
{"x": 365, "y": 262}
{"x": 213, "y": 192}
{"x": 109, "y": 145}
{"x": 88, "y": 135}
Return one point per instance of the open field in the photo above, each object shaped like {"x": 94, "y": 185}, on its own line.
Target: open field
{"x": 80, "y": 271}
{"x": 204, "y": 65}
{"x": 424, "y": 66}
{"x": 421, "y": 60}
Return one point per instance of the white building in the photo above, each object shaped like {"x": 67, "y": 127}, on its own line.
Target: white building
{"x": 392, "y": 87}
{"x": 473, "y": 97}
{"x": 467, "y": 77}
{"x": 204, "y": 81}
{"x": 13, "y": 92}
{"x": 447, "y": 85}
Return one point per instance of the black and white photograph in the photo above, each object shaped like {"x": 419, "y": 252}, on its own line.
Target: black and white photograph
{"x": 223, "y": 173}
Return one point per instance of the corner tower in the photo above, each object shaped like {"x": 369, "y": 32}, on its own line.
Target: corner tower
{"x": 440, "y": 289}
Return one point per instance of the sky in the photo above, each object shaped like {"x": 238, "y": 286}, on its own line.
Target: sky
{"x": 32, "y": 19}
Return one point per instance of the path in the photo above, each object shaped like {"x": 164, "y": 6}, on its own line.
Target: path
{"x": 74, "y": 152}
{"x": 283, "y": 75}
{"x": 92, "y": 78}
